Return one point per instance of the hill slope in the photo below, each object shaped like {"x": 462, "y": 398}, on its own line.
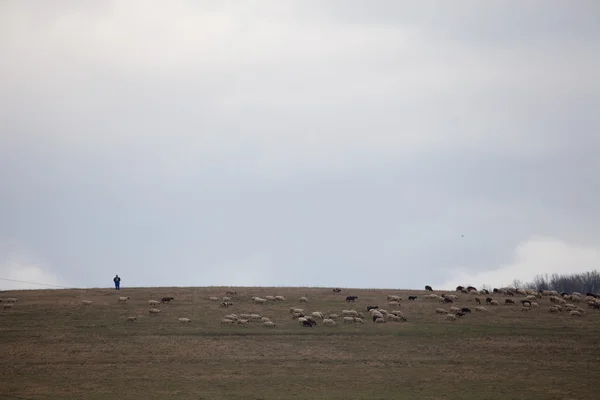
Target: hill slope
{"x": 53, "y": 347}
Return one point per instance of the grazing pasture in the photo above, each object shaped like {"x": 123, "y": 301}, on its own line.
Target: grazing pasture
{"x": 84, "y": 344}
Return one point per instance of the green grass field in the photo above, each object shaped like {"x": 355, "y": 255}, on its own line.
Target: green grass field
{"x": 53, "y": 347}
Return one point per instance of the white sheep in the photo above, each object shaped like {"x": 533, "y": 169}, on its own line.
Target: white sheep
{"x": 265, "y": 319}
{"x": 268, "y": 324}
{"x": 350, "y": 313}
{"x": 454, "y": 309}
{"x": 494, "y": 303}
{"x": 575, "y": 313}
{"x": 226, "y": 299}
{"x": 213, "y": 298}
{"x": 301, "y": 320}
{"x": 303, "y": 300}
{"x": 226, "y": 321}
{"x": 393, "y": 297}
{"x": 379, "y": 321}
{"x": 123, "y": 299}
{"x": 524, "y": 308}
{"x": 333, "y": 316}
{"x": 296, "y": 310}
{"x": 154, "y": 311}
{"x": 451, "y": 317}
{"x": 153, "y": 302}
{"x": 270, "y": 298}
{"x": 87, "y": 302}
{"x": 279, "y": 298}
{"x": 184, "y": 320}
{"x": 480, "y": 308}
{"x": 328, "y": 322}
{"x": 358, "y": 320}
{"x": 441, "y": 311}
{"x": 530, "y": 298}
{"x": 231, "y": 316}
{"x": 317, "y": 314}
{"x": 259, "y": 300}
{"x": 394, "y": 304}
{"x": 397, "y": 313}
{"x": 348, "y": 320}
{"x": 534, "y": 304}
{"x": 243, "y": 322}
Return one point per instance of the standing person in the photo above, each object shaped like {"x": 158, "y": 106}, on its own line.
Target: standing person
{"x": 117, "y": 282}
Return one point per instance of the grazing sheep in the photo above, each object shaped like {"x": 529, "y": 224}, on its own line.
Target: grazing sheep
{"x": 122, "y": 299}
{"x": 131, "y": 319}
{"x": 166, "y": 299}
{"x": 369, "y": 308}
{"x": 349, "y": 313}
{"x": 448, "y": 300}
{"x": 576, "y": 313}
{"x": 477, "y": 300}
{"x": 527, "y": 304}
{"x": 524, "y": 309}
{"x": 530, "y": 298}
{"x": 378, "y": 320}
{"x": 451, "y": 317}
{"x": 351, "y": 299}
{"x": 494, "y": 303}
{"x": 441, "y": 311}
{"x": 7, "y": 306}
{"x": 153, "y": 302}
{"x": 269, "y": 324}
{"x": 270, "y": 298}
{"x": 226, "y": 304}
{"x": 259, "y": 300}
{"x": 459, "y": 288}
{"x": 459, "y": 313}
{"x": 429, "y": 288}
{"x": 230, "y": 293}
{"x": 307, "y": 324}
{"x": 358, "y": 320}
{"x": 454, "y": 309}
{"x": 311, "y": 320}
{"x": 394, "y": 304}
{"x": 488, "y": 300}
{"x": 184, "y": 320}
{"x": 87, "y": 302}
{"x": 412, "y": 298}
{"x": 243, "y": 322}
{"x": 393, "y": 297}
{"x": 508, "y": 301}
{"x": 317, "y": 314}
{"x": 523, "y": 302}
{"x": 466, "y": 310}
{"x": 226, "y": 321}
{"x": 535, "y": 304}
{"x": 279, "y": 298}
{"x": 225, "y": 298}
{"x": 213, "y": 298}
{"x": 303, "y": 299}
{"x": 232, "y": 317}
{"x": 348, "y": 320}
{"x": 11, "y": 300}
{"x": 296, "y": 310}
{"x": 153, "y": 311}
{"x": 328, "y": 322}
{"x": 553, "y": 309}
{"x": 337, "y": 290}
{"x": 480, "y": 308}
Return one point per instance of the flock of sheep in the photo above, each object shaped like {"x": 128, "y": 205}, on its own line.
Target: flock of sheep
{"x": 531, "y": 299}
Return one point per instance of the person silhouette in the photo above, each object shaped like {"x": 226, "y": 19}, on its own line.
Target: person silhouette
{"x": 117, "y": 281}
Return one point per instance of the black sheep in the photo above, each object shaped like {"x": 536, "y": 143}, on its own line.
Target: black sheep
{"x": 465, "y": 310}
{"x": 351, "y": 299}
{"x": 369, "y": 308}
{"x": 412, "y": 298}
{"x": 428, "y": 288}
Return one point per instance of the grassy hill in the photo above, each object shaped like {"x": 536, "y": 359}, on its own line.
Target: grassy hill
{"x": 53, "y": 347}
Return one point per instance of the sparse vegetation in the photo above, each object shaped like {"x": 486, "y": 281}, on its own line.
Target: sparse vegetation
{"x": 55, "y": 347}
{"x": 586, "y": 282}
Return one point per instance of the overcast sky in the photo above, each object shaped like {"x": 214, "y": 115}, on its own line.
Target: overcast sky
{"x": 298, "y": 143}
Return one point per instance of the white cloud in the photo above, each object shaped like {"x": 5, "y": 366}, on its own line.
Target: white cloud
{"x": 21, "y": 271}
{"x": 535, "y": 256}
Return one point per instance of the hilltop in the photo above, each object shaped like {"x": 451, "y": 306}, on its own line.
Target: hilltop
{"x": 54, "y": 347}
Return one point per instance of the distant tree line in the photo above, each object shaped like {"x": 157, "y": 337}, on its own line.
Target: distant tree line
{"x": 582, "y": 282}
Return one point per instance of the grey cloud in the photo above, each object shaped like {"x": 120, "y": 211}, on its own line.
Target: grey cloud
{"x": 355, "y": 160}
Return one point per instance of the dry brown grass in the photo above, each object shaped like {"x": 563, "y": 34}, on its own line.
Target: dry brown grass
{"x": 52, "y": 347}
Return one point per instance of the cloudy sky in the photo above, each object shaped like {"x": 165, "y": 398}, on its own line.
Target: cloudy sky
{"x": 298, "y": 143}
